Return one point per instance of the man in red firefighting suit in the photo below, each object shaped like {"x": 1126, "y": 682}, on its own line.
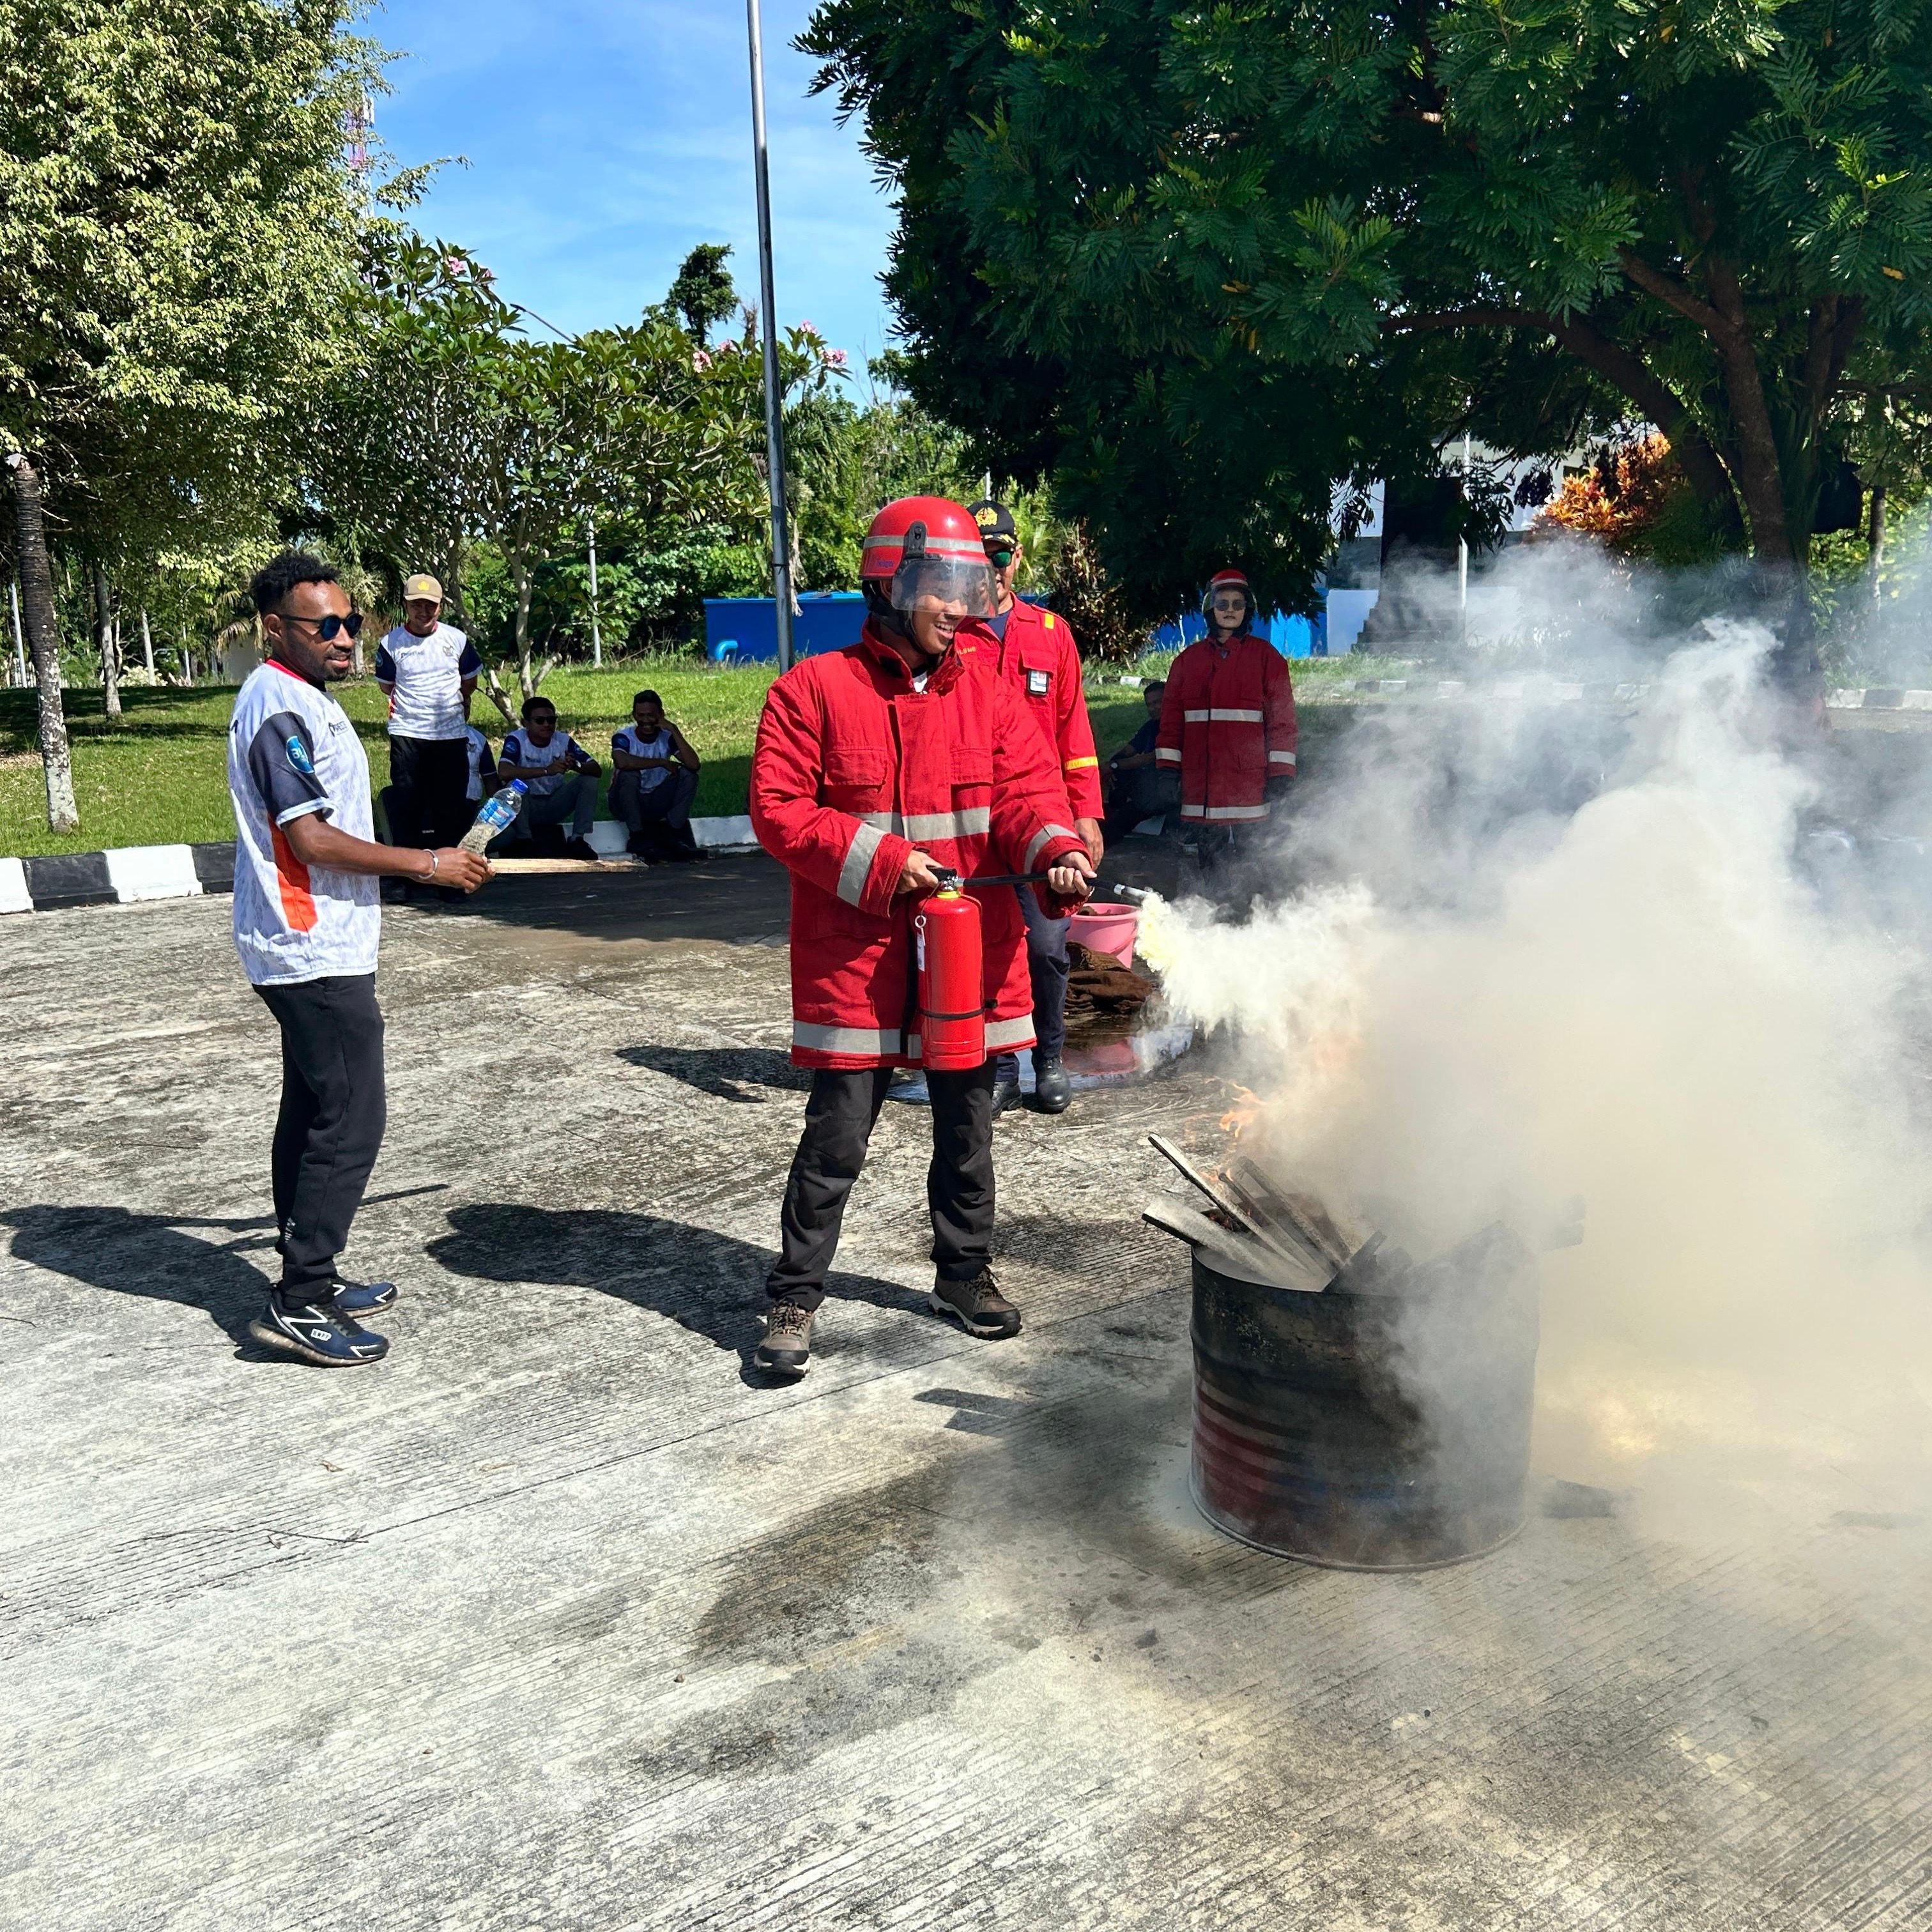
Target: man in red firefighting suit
{"x": 875, "y": 768}
{"x": 1227, "y": 722}
{"x": 1035, "y": 651}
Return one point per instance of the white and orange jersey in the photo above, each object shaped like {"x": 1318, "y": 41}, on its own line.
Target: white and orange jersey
{"x": 292, "y": 750}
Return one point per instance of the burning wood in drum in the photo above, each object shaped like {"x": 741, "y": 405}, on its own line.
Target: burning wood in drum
{"x": 1354, "y": 1406}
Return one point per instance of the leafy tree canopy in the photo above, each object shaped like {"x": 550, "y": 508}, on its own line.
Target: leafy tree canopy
{"x": 1197, "y": 260}
{"x": 178, "y": 231}
{"x": 703, "y": 295}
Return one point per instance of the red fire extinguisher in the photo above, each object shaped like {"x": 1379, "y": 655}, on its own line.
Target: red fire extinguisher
{"x": 952, "y": 982}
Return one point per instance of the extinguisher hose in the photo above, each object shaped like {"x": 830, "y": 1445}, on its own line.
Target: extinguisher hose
{"x": 1128, "y": 895}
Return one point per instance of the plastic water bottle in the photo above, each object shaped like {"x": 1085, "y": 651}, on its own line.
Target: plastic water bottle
{"x": 498, "y": 814}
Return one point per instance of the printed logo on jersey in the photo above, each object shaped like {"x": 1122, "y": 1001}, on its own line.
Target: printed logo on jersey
{"x": 298, "y": 758}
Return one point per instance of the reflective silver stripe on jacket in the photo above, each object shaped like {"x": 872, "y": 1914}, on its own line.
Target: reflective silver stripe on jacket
{"x": 1163, "y": 755}
{"x": 1281, "y": 758}
{"x": 1224, "y": 811}
{"x": 1222, "y": 717}
{"x": 921, "y": 825}
{"x": 844, "y": 1039}
{"x": 1039, "y": 839}
{"x": 1004, "y": 1035}
{"x": 866, "y": 840}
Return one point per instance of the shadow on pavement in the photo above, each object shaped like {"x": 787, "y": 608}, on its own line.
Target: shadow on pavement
{"x": 741, "y": 899}
{"x": 712, "y": 1284}
{"x": 723, "y": 1071}
{"x": 149, "y": 1255}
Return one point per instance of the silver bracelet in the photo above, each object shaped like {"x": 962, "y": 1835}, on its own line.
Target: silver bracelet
{"x": 434, "y": 863}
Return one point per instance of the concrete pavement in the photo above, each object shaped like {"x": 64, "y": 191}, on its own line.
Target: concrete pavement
{"x": 560, "y": 1618}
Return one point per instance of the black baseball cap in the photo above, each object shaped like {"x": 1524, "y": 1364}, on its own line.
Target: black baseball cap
{"x": 996, "y": 529}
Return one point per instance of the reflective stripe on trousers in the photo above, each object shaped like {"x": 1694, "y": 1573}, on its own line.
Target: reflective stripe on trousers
{"x": 1222, "y": 717}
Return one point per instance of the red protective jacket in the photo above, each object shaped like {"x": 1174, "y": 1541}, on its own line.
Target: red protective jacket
{"x": 853, "y": 768}
{"x": 1039, "y": 657}
{"x": 1227, "y": 722}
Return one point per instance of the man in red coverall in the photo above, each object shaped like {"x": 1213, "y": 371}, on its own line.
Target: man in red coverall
{"x": 1035, "y": 651}
{"x": 1227, "y": 722}
{"x": 876, "y": 767}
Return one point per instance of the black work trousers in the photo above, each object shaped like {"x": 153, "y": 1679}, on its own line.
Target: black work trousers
{"x": 839, "y": 1117}
{"x": 330, "y": 1128}
{"x": 429, "y": 777}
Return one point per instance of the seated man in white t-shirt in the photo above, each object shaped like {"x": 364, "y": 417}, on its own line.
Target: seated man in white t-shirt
{"x": 655, "y": 779}
{"x": 561, "y": 777}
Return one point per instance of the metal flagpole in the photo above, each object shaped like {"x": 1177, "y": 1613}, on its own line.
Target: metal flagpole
{"x": 774, "y": 424}
{"x": 19, "y": 638}
{"x": 596, "y": 635}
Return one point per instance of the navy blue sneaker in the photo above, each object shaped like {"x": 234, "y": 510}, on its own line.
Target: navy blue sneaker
{"x": 359, "y": 1300}
{"x": 318, "y": 1332}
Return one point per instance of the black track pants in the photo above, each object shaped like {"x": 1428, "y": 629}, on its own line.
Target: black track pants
{"x": 429, "y": 777}
{"x": 330, "y": 1128}
{"x": 839, "y": 1117}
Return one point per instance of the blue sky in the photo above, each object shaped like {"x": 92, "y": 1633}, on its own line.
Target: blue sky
{"x": 604, "y": 140}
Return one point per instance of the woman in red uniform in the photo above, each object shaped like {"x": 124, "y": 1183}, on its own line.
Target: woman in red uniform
{"x": 1227, "y": 720}
{"x": 875, "y": 768}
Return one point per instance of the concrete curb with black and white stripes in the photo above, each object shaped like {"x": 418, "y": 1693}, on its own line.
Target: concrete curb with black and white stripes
{"x": 133, "y": 874}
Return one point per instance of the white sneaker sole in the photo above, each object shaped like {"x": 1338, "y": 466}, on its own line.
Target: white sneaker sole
{"x": 274, "y": 1338}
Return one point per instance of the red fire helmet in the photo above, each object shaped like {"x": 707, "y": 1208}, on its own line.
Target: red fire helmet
{"x": 928, "y": 547}
{"x": 1227, "y": 580}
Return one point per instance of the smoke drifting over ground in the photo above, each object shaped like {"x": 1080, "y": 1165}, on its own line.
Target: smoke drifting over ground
{"x": 1518, "y": 953}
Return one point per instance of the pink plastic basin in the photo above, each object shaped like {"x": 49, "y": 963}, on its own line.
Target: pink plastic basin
{"x": 1101, "y": 925}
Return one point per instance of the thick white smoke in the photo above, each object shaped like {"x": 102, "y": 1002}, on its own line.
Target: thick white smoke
{"x": 1525, "y": 958}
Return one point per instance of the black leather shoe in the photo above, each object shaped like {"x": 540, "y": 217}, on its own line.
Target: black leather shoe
{"x": 1006, "y": 1093}
{"x": 1052, "y": 1091}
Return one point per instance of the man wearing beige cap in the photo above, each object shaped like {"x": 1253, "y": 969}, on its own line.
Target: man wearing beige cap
{"x": 428, "y": 670}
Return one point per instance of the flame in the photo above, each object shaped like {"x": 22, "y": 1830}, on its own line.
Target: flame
{"x": 1244, "y": 1113}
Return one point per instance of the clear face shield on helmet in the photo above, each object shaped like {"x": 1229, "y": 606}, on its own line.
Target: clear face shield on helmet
{"x": 936, "y": 585}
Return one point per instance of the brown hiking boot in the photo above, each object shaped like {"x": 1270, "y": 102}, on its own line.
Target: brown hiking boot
{"x": 977, "y": 1306}
{"x": 787, "y": 1347}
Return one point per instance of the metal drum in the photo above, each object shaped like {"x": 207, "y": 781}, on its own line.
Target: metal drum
{"x": 1386, "y": 1430}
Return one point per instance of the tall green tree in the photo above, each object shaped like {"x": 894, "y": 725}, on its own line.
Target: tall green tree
{"x": 1188, "y": 258}
{"x": 177, "y": 234}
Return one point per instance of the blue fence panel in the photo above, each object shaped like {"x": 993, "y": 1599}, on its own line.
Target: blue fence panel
{"x": 1293, "y": 637}
{"x": 746, "y": 628}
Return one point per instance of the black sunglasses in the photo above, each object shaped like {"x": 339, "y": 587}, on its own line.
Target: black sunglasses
{"x": 999, "y": 559}
{"x": 327, "y": 628}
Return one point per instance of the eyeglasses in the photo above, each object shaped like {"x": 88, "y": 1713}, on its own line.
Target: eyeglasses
{"x": 327, "y": 628}
{"x": 999, "y": 559}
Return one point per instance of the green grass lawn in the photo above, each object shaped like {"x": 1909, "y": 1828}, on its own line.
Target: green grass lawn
{"x": 160, "y": 776}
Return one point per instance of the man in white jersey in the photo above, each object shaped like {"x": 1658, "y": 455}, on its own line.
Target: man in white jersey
{"x": 654, "y": 779}
{"x": 559, "y": 778}
{"x": 428, "y": 670}
{"x": 307, "y": 921}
